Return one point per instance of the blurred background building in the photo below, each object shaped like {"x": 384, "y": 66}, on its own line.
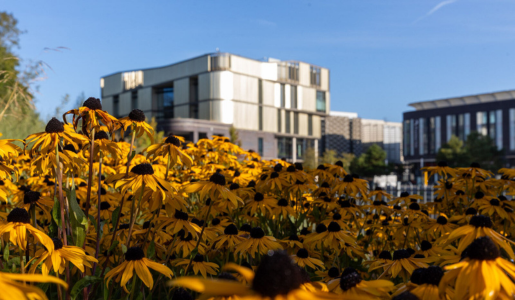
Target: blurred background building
{"x": 276, "y": 106}
{"x": 433, "y": 123}
{"x": 345, "y": 132}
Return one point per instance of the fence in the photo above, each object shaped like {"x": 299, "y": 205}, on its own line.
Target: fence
{"x": 428, "y": 192}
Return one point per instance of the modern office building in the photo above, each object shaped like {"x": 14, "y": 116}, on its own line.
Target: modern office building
{"x": 276, "y": 106}
{"x": 345, "y": 132}
{"x": 434, "y": 122}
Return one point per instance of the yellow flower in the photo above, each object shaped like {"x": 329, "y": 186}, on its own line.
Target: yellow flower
{"x": 303, "y": 259}
{"x": 170, "y": 147}
{"x": 91, "y": 113}
{"x": 136, "y": 121}
{"x": 46, "y": 142}
{"x": 135, "y": 260}
{"x": 200, "y": 265}
{"x": 59, "y": 258}
{"x": 12, "y": 289}
{"x": 351, "y": 285}
{"x": 258, "y": 241}
{"x": 17, "y": 225}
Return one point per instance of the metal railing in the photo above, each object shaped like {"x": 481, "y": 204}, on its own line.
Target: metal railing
{"x": 427, "y": 192}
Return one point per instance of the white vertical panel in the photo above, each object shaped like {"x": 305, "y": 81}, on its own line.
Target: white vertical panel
{"x": 498, "y": 129}
{"x": 438, "y": 135}
{"x": 299, "y": 97}
{"x": 512, "y": 129}
{"x": 277, "y": 94}
{"x": 303, "y": 124}
{"x": 269, "y": 119}
{"x": 421, "y": 136}
{"x": 467, "y": 125}
{"x": 448, "y": 127}
{"x": 412, "y": 143}
{"x": 287, "y": 96}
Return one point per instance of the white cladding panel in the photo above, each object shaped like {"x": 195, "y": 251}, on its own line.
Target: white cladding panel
{"x": 246, "y": 66}
{"x": 317, "y": 133}
{"x": 324, "y": 79}
{"x": 269, "y": 119}
{"x": 303, "y": 124}
{"x": 309, "y": 96}
{"x": 246, "y": 88}
{"x": 245, "y": 116}
{"x": 124, "y": 107}
{"x": 268, "y": 93}
{"x": 277, "y": 94}
{"x": 287, "y": 96}
{"x": 269, "y": 71}
{"x": 184, "y": 69}
{"x": 112, "y": 85}
{"x": 181, "y": 90}
{"x": 304, "y": 76}
{"x": 299, "y": 97}
{"x": 222, "y": 111}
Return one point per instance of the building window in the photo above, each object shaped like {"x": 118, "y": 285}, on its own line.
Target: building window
{"x": 498, "y": 129}
{"x": 164, "y": 97}
{"x": 260, "y": 118}
{"x": 296, "y": 123}
{"x": 438, "y": 133}
{"x": 134, "y": 100}
{"x": 260, "y": 146}
{"x": 287, "y": 120}
{"x": 283, "y": 96}
{"x": 321, "y": 101}
{"x": 279, "y": 120}
{"x": 301, "y": 147}
{"x": 260, "y": 91}
{"x": 512, "y": 129}
{"x": 202, "y": 135}
{"x": 407, "y": 135}
{"x": 481, "y": 122}
{"x": 315, "y": 75}
{"x": 491, "y": 130}
{"x": 432, "y": 136}
{"x": 284, "y": 147}
{"x": 194, "y": 97}
{"x": 461, "y": 127}
{"x": 293, "y": 94}
{"x": 310, "y": 125}
{"x": 422, "y": 137}
{"x": 116, "y": 106}
{"x": 293, "y": 71}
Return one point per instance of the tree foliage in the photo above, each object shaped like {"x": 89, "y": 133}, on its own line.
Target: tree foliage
{"x": 370, "y": 163}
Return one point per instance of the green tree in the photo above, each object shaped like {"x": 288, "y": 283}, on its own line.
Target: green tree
{"x": 370, "y": 163}
{"x": 454, "y": 153}
{"x": 17, "y": 115}
{"x": 310, "y": 159}
{"x": 234, "y": 136}
{"x": 482, "y": 149}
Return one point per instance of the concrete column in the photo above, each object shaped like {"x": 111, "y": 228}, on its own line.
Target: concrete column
{"x": 294, "y": 148}
{"x": 195, "y": 136}
{"x": 316, "y": 151}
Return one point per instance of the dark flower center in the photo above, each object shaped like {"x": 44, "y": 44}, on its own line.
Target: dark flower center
{"x": 417, "y": 275}
{"x": 18, "y": 215}
{"x": 432, "y": 275}
{"x": 333, "y": 272}
{"x": 215, "y": 221}
{"x": 302, "y": 253}
{"x": 198, "y": 258}
{"x": 400, "y": 254}
{"x": 217, "y": 178}
{"x": 349, "y": 280}
{"x": 231, "y": 230}
{"x": 101, "y": 135}
{"x": 282, "y": 202}
{"x": 441, "y": 220}
{"x": 291, "y": 169}
{"x": 276, "y": 275}
{"x": 414, "y": 206}
{"x": 259, "y": 197}
{"x": 321, "y": 167}
{"x": 479, "y": 195}
{"x": 226, "y": 276}
{"x": 448, "y": 185}
{"x": 180, "y": 215}
{"x": 172, "y": 139}
{"x": 460, "y": 193}
{"x": 471, "y": 211}
{"x": 298, "y": 166}
{"x": 278, "y": 168}
{"x": 143, "y": 169}
{"x": 442, "y": 164}
{"x": 344, "y": 203}
{"x": 93, "y": 103}
{"x": 337, "y": 216}
{"x": 246, "y": 228}
{"x": 257, "y": 233}
{"x": 137, "y": 115}
{"x": 339, "y": 163}
{"x": 251, "y": 184}
{"x": 404, "y": 194}
{"x": 321, "y": 228}
{"x": 237, "y": 173}
{"x": 385, "y": 255}
{"x": 274, "y": 175}
{"x": 104, "y": 205}
{"x": 134, "y": 253}
{"x": 31, "y": 197}
{"x": 54, "y": 126}
{"x": 57, "y": 244}
{"x": 494, "y": 202}
{"x": 234, "y": 186}
{"x": 293, "y": 237}
{"x": 482, "y": 248}
{"x": 475, "y": 165}
{"x": 481, "y": 221}
{"x": 334, "y": 227}
{"x": 425, "y": 245}
{"x": 348, "y": 178}
{"x": 182, "y": 294}
{"x": 124, "y": 226}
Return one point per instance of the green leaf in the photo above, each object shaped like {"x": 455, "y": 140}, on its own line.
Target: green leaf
{"x": 151, "y": 250}
{"x": 81, "y": 284}
{"x": 106, "y": 292}
{"x": 56, "y": 216}
{"x": 93, "y": 221}
{"x": 116, "y": 215}
{"x": 124, "y": 248}
{"x": 6, "y": 252}
{"x": 78, "y": 219}
{"x": 115, "y": 243}
{"x": 133, "y": 154}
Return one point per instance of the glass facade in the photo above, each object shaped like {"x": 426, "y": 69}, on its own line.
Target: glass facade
{"x": 407, "y": 136}
{"x": 260, "y": 146}
{"x": 134, "y": 100}
{"x": 293, "y": 96}
{"x": 310, "y": 125}
{"x": 284, "y": 147}
{"x": 287, "y": 121}
{"x": 512, "y": 129}
{"x": 320, "y": 105}
{"x": 432, "y": 136}
{"x": 116, "y": 106}
{"x": 164, "y": 98}
{"x": 296, "y": 123}
{"x": 481, "y": 122}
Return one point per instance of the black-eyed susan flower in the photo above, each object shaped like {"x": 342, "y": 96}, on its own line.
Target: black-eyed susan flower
{"x": 402, "y": 265}
{"x": 17, "y": 226}
{"x": 136, "y": 122}
{"x": 14, "y": 286}
{"x": 135, "y": 261}
{"x": 170, "y": 148}
{"x": 91, "y": 114}
{"x": 351, "y": 285}
{"x": 442, "y": 169}
{"x": 258, "y": 242}
{"x": 199, "y": 265}
{"x": 303, "y": 259}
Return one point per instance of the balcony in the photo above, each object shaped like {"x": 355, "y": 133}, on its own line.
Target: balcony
{"x": 220, "y": 61}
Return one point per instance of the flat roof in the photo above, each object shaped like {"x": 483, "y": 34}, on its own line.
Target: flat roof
{"x": 464, "y": 100}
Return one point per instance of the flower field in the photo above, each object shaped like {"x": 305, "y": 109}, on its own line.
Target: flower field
{"x": 86, "y": 216}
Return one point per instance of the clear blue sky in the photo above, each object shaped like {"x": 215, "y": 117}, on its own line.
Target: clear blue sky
{"x": 382, "y": 54}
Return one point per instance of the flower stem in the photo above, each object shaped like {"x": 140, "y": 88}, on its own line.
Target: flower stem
{"x": 134, "y": 215}
{"x": 90, "y": 178}
{"x": 98, "y": 209}
{"x": 200, "y": 237}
